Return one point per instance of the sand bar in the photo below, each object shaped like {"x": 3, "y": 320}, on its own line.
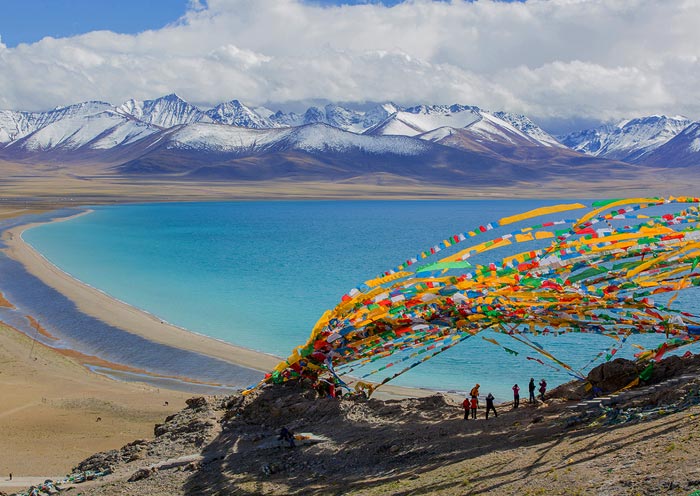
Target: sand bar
{"x": 119, "y": 314}
{"x": 112, "y": 311}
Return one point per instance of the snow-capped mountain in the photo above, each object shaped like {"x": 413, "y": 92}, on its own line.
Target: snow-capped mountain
{"x": 95, "y": 125}
{"x": 683, "y": 150}
{"x": 310, "y": 152}
{"x": 166, "y": 111}
{"x": 629, "y": 140}
{"x": 168, "y": 137}
{"x": 234, "y": 113}
{"x": 380, "y": 120}
{"x": 311, "y": 138}
{"x": 528, "y": 128}
{"x": 233, "y": 141}
{"x": 423, "y": 118}
{"x": 438, "y": 122}
{"x": 344, "y": 118}
{"x": 15, "y": 125}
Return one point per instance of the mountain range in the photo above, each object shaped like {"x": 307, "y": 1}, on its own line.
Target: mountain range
{"x": 440, "y": 144}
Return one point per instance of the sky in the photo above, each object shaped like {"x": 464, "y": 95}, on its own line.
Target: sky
{"x": 557, "y": 61}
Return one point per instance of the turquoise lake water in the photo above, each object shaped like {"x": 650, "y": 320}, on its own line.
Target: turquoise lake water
{"x": 259, "y": 274}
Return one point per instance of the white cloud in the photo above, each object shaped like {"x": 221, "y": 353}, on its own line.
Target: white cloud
{"x": 547, "y": 58}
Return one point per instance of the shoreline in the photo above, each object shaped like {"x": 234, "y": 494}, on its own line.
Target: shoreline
{"x": 98, "y": 304}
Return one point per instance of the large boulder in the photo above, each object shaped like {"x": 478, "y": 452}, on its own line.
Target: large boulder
{"x": 614, "y": 375}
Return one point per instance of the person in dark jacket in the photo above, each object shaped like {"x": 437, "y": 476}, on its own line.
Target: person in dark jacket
{"x": 489, "y": 406}
{"x": 288, "y": 436}
{"x": 531, "y": 388}
{"x": 543, "y": 388}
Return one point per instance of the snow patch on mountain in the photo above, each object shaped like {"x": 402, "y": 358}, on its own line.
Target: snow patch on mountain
{"x": 325, "y": 138}
{"x": 355, "y": 121}
{"x": 528, "y": 128}
{"x": 423, "y": 118}
{"x": 13, "y": 125}
{"x": 223, "y": 138}
{"x": 503, "y": 127}
{"x": 310, "y": 138}
{"x": 493, "y": 129}
{"x": 691, "y": 134}
{"x": 438, "y": 134}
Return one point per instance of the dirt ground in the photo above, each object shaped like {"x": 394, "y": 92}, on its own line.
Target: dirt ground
{"x": 51, "y": 405}
{"x": 215, "y": 446}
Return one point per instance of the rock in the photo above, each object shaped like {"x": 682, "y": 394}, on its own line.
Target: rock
{"x": 141, "y": 474}
{"x": 271, "y": 468}
{"x": 99, "y": 462}
{"x": 196, "y": 402}
{"x": 395, "y": 448}
{"x": 614, "y": 375}
{"x": 138, "y": 442}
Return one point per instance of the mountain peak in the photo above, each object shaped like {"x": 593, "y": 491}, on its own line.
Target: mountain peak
{"x": 628, "y": 140}
{"x": 171, "y": 97}
{"x": 235, "y": 113}
{"x": 165, "y": 111}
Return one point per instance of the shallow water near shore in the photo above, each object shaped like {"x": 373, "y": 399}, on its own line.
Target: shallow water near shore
{"x": 259, "y": 274}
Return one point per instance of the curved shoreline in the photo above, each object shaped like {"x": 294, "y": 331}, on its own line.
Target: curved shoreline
{"x": 113, "y": 311}
{"x": 98, "y": 304}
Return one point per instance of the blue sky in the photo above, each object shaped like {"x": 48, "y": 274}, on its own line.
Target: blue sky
{"x": 27, "y": 21}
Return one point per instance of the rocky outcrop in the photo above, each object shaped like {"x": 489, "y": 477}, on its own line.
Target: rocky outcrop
{"x": 614, "y": 375}
{"x": 182, "y": 433}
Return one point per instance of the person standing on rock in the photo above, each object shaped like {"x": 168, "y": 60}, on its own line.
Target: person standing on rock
{"x": 474, "y": 405}
{"x": 516, "y": 396}
{"x": 474, "y": 392}
{"x": 466, "y": 405}
{"x": 489, "y": 406}
{"x": 543, "y": 388}
{"x": 531, "y": 387}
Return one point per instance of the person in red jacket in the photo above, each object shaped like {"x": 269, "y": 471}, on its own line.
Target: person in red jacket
{"x": 516, "y": 396}
{"x": 474, "y": 405}
{"x": 465, "y": 405}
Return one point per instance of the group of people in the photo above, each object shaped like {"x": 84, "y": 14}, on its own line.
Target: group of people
{"x": 471, "y": 402}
